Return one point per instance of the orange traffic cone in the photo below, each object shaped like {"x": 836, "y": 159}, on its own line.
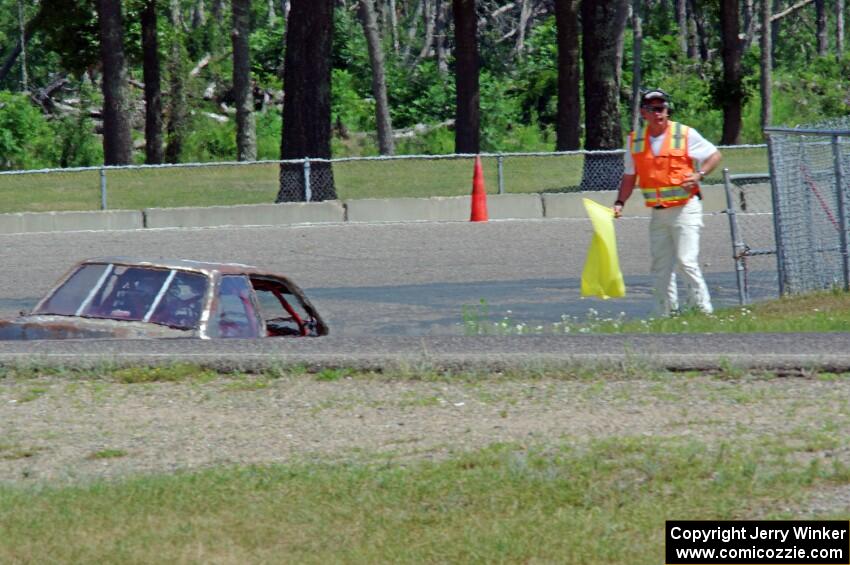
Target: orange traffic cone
{"x": 479, "y": 194}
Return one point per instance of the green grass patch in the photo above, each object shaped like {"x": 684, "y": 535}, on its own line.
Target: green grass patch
{"x": 256, "y": 183}
{"x": 14, "y": 451}
{"x": 31, "y": 394}
{"x": 601, "y": 503}
{"x": 827, "y": 311}
{"x": 177, "y": 372}
{"x": 107, "y": 454}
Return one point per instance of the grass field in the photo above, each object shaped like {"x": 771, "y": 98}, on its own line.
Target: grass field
{"x": 599, "y": 503}
{"x": 258, "y": 183}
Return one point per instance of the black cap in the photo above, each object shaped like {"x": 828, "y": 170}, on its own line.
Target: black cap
{"x": 654, "y": 94}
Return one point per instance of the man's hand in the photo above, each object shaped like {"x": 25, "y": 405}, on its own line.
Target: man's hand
{"x": 618, "y": 209}
{"x": 691, "y": 182}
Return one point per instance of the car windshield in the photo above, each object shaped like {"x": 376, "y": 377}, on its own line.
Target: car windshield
{"x": 167, "y": 297}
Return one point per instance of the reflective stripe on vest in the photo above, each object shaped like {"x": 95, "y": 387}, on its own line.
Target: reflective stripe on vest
{"x": 660, "y": 176}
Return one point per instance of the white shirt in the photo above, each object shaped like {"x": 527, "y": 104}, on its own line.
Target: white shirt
{"x": 699, "y": 148}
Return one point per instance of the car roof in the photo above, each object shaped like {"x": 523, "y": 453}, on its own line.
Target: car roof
{"x": 186, "y": 265}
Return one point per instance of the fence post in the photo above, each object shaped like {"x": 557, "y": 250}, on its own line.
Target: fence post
{"x": 842, "y": 213}
{"x": 777, "y": 215}
{"x": 501, "y": 161}
{"x": 102, "y": 189}
{"x": 738, "y": 248}
{"x": 308, "y": 192}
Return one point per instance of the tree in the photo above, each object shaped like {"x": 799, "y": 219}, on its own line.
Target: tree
{"x": 637, "y": 46}
{"x": 766, "y": 65}
{"x": 467, "y": 111}
{"x": 153, "y": 92}
{"x": 569, "y": 111}
{"x": 820, "y": 17}
{"x": 307, "y": 100}
{"x": 177, "y": 110}
{"x": 603, "y": 27}
{"x": 379, "y": 83}
{"x": 117, "y": 143}
{"x": 246, "y": 130}
{"x": 731, "y": 91}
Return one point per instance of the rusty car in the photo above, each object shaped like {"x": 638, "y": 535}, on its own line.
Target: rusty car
{"x": 124, "y": 297}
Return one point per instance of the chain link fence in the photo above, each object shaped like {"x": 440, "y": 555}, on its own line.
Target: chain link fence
{"x": 225, "y": 184}
{"x": 750, "y": 208}
{"x": 808, "y": 171}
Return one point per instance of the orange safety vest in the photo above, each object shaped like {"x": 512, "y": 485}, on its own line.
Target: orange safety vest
{"x": 661, "y": 176}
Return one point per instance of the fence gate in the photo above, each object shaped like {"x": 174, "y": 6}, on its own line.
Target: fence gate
{"x": 808, "y": 176}
{"x": 749, "y": 205}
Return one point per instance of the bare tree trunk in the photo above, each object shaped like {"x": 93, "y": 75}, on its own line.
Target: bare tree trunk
{"x": 774, "y": 30}
{"x": 153, "y": 89}
{"x": 732, "y": 89}
{"x": 394, "y": 26}
{"x": 199, "y": 14}
{"x": 749, "y": 18}
{"x": 766, "y": 66}
{"x": 117, "y": 142}
{"x": 307, "y": 101}
{"x": 839, "y": 27}
{"x": 603, "y": 28}
{"x": 430, "y": 18}
{"x": 177, "y": 111}
{"x": 701, "y": 35}
{"x": 524, "y": 16}
{"x": 820, "y": 10}
{"x": 682, "y": 24}
{"x": 637, "y": 45}
{"x": 467, "y": 110}
{"x": 569, "y": 107}
{"x": 379, "y": 85}
{"x": 218, "y": 10}
{"x": 271, "y": 12}
{"x": 246, "y": 131}
{"x": 440, "y": 36}
{"x": 411, "y": 32}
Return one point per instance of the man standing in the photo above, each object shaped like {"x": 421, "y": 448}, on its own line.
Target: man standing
{"x": 660, "y": 160}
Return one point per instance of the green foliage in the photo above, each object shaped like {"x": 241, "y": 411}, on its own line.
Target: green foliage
{"x": 26, "y": 140}
{"x": 348, "y": 106}
{"x": 423, "y": 95}
{"x": 73, "y": 32}
{"x": 209, "y": 140}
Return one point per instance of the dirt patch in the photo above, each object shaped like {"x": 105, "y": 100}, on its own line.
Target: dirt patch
{"x": 53, "y": 429}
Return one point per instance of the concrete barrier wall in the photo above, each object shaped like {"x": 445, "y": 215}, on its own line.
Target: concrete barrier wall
{"x": 499, "y": 206}
{"x": 569, "y": 205}
{"x": 243, "y": 215}
{"x": 456, "y": 208}
{"x": 25, "y": 222}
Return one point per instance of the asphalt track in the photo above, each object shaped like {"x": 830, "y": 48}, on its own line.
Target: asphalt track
{"x": 397, "y": 292}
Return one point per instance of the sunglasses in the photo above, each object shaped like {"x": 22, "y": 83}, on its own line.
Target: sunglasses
{"x": 653, "y": 109}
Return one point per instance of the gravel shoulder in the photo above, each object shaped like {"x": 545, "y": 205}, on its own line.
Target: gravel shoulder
{"x": 61, "y": 430}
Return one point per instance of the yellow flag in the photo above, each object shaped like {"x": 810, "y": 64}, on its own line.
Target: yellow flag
{"x": 601, "y": 276}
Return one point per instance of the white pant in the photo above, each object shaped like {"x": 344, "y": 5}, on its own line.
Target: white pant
{"x": 674, "y": 242}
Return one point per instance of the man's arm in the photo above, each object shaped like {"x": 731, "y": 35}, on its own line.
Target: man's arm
{"x": 692, "y": 180}
{"x": 627, "y": 185}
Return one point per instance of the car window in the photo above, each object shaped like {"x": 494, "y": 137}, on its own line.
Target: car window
{"x": 282, "y": 311}
{"x": 67, "y": 298}
{"x": 183, "y": 301}
{"x": 127, "y": 293}
{"x": 236, "y": 315}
